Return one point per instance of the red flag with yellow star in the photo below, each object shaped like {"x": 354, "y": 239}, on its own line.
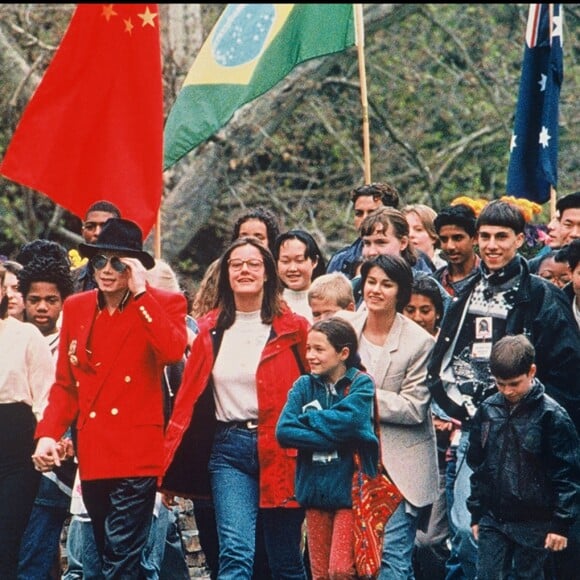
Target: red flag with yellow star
{"x": 94, "y": 127}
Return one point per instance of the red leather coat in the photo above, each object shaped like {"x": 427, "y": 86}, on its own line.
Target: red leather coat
{"x": 189, "y": 435}
{"x": 117, "y": 400}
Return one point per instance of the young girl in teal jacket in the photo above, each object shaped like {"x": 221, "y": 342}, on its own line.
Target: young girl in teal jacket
{"x": 329, "y": 415}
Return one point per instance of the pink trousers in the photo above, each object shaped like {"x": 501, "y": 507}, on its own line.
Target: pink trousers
{"x": 331, "y": 544}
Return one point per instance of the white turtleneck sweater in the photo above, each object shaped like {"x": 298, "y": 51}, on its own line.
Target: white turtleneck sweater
{"x": 297, "y": 300}
{"x": 234, "y": 371}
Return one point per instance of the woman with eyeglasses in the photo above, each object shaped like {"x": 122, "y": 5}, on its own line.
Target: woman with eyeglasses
{"x": 220, "y": 440}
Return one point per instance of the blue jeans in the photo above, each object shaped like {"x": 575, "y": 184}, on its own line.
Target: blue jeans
{"x": 40, "y": 547}
{"x": 174, "y": 565}
{"x": 83, "y": 558}
{"x": 154, "y": 551}
{"x": 163, "y": 555}
{"x": 397, "y": 560}
{"x": 511, "y": 545}
{"x": 463, "y": 560}
{"x": 234, "y": 471}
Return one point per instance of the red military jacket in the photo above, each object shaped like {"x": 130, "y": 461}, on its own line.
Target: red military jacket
{"x": 189, "y": 435}
{"x": 118, "y": 400}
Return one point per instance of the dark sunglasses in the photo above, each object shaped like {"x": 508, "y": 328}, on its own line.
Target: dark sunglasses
{"x": 99, "y": 262}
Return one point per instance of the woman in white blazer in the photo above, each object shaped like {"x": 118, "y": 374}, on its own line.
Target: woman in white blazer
{"x": 395, "y": 351}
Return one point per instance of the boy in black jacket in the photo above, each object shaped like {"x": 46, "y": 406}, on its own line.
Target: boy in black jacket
{"x": 525, "y": 455}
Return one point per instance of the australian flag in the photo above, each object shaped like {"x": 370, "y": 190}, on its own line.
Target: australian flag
{"x": 533, "y": 165}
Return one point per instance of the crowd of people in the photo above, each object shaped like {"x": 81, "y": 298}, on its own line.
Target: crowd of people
{"x": 120, "y": 393}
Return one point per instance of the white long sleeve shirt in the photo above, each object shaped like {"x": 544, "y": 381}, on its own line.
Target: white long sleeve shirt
{"x": 26, "y": 365}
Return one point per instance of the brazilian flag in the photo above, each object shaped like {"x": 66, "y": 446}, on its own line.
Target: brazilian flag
{"x": 250, "y": 49}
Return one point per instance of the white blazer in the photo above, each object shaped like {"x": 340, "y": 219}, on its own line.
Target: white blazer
{"x": 409, "y": 449}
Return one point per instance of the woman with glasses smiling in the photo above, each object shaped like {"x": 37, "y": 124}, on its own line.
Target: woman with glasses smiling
{"x": 220, "y": 440}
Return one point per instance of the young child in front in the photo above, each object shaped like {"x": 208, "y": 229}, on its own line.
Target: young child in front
{"x": 525, "y": 455}
{"x": 329, "y": 415}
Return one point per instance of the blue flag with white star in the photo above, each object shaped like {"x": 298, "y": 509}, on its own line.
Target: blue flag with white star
{"x": 533, "y": 165}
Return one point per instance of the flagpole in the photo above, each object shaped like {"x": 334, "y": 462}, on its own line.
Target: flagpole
{"x": 360, "y": 43}
{"x": 157, "y": 237}
{"x": 552, "y": 202}
{"x": 552, "y": 188}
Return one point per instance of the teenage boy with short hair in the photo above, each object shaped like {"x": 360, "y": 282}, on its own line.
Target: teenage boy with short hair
{"x": 525, "y": 455}
{"x": 509, "y": 300}
{"x": 455, "y": 226}
{"x": 365, "y": 199}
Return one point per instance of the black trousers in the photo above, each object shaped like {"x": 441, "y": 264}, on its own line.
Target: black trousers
{"x": 18, "y": 481}
{"x": 121, "y": 512}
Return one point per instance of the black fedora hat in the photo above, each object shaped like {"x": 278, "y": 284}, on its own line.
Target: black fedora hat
{"x": 122, "y": 236}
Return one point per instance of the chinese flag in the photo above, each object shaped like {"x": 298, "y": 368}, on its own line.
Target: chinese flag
{"x": 94, "y": 127}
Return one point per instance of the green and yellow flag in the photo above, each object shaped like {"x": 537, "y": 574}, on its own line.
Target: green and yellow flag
{"x": 250, "y": 49}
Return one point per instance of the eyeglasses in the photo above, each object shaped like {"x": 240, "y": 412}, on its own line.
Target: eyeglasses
{"x": 99, "y": 262}
{"x": 253, "y": 265}
{"x": 90, "y": 226}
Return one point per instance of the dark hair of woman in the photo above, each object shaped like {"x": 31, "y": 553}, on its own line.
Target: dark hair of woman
{"x": 264, "y": 215}
{"x": 398, "y": 270}
{"x": 4, "y": 307}
{"x": 312, "y": 250}
{"x": 271, "y": 301}
{"x": 427, "y": 286}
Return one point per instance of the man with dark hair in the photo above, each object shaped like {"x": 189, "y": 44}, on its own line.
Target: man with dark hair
{"x": 568, "y": 207}
{"x": 97, "y": 214}
{"x": 455, "y": 226}
{"x": 511, "y": 301}
{"x": 365, "y": 199}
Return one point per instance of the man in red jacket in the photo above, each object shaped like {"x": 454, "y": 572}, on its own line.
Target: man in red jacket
{"x": 114, "y": 344}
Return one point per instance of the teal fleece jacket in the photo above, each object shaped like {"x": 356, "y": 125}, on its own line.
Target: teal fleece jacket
{"x": 326, "y": 426}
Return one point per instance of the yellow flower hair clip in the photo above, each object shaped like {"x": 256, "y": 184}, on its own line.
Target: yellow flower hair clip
{"x": 75, "y": 259}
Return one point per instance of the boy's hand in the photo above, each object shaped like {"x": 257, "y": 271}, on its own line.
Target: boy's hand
{"x": 556, "y": 543}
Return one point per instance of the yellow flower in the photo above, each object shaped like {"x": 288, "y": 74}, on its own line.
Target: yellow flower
{"x": 527, "y": 207}
{"x": 475, "y": 204}
{"x": 75, "y": 259}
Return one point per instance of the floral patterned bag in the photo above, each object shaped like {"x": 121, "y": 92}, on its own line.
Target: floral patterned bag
{"x": 374, "y": 499}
